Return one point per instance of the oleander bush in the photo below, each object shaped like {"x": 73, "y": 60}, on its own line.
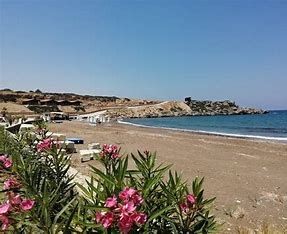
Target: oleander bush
{"x": 40, "y": 172}
{"x": 39, "y": 195}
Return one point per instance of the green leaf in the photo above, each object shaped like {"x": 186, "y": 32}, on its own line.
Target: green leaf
{"x": 158, "y": 213}
{"x": 103, "y": 176}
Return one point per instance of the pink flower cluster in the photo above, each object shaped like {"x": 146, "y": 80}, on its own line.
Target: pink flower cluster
{"x": 44, "y": 145}
{"x": 11, "y": 183}
{"x": 110, "y": 151}
{"x": 122, "y": 211}
{"x": 14, "y": 205}
{"x": 5, "y": 162}
{"x": 188, "y": 203}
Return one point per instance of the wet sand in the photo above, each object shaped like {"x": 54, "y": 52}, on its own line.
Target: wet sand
{"x": 247, "y": 177}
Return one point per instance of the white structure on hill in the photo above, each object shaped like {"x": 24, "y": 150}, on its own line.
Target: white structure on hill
{"x": 94, "y": 118}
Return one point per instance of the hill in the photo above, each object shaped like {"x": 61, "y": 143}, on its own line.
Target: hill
{"x": 29, "y": 103}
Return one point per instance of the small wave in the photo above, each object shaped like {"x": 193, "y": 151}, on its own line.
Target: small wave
{"x": 249, "y": 129}
{"x": 209, "y": 132}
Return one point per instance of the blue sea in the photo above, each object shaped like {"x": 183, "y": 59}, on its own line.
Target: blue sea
{"x": 271, "y": 126}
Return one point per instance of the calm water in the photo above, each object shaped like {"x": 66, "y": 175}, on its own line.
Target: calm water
{"x": 270, "y": 126}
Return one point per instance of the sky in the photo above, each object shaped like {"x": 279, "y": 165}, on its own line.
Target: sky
{"x": 150, "y": 49}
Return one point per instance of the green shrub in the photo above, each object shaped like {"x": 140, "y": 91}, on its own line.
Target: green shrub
{"x": 166, "y": 207}
{"x": 43, "y": 177}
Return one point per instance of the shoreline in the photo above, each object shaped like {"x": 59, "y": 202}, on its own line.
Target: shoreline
{"x": 282, "y": 140}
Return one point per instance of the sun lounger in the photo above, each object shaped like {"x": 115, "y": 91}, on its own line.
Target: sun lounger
{"x": 88, "y": 154}
{"x": 76, "y": 140}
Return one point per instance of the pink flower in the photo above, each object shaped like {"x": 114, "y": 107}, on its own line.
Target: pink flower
{"x": 187, "y": 205}
{"x": 5, "y": 222}
{"x": 128, "y": 208}
{"x": 4, "y": 208}
{"x": 126, "y": 194}
{"x": 11, "y": 183}
{"x": 184, "y": 208}
{"x": 110, "y": 151}
{"x": 139, "y": 217}
{"x": 44, "y": 145}
{"x": 107, "y": 219}
{"x": 122, "y": 211}
{"x": 131, "y": 194}
{"x": 111, "y": 202}
{"x": 27, "y": 204}
{"x": 115, "y": 155}
{"x": 14, "y": 199}
{"x": 125, "y": 224}
{"x": 3, "y": 158}
{"x": 191, "y": 198}
{"x": 7, "y": 163}
{"x": 99, "y": 216}
{"x": 137, "y": 199}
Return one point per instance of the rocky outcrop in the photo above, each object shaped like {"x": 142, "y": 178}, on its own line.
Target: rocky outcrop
{"x": 219, "y": 108}
{"x": 164, "y": 109}
{"x": 187, "y": 108}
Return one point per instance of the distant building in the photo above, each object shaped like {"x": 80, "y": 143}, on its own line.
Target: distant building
{"x": 75, "y": 103}
{"x": 187, "y": 99}
{"x": 59, "y": 116}
{"x": 63, "y": 102}
{"x": 30, "y": 101}
{"x": 68, "y": 103}
{"x": 48, "y": 102}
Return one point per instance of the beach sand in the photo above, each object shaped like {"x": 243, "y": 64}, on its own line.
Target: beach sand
{"x": 247, "y": 177}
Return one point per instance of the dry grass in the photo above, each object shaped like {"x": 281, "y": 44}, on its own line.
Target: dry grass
{"x": 14, "y": 107}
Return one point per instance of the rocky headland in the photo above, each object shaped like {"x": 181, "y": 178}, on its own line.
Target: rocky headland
{"x": 187, "y": 108}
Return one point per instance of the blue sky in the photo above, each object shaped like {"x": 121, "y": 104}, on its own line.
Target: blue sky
{"x": 216, "y": 49}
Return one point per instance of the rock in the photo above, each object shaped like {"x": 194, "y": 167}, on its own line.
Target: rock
{"x": 219, "y": 108}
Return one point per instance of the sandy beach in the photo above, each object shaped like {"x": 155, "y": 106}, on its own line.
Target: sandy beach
{"x": 247, "y": 177}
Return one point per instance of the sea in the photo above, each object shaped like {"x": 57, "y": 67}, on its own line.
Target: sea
{"x": 270, "y": 126}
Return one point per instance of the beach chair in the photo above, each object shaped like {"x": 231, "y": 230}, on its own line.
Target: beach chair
{"x": 88, "y": 154}
{"x": 76, "y": 140}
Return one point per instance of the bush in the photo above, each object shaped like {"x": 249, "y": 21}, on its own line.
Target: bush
{"x": 116, "y": 199}
{"x": 141, "y": 200}
{"x": 42, "y": 174}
